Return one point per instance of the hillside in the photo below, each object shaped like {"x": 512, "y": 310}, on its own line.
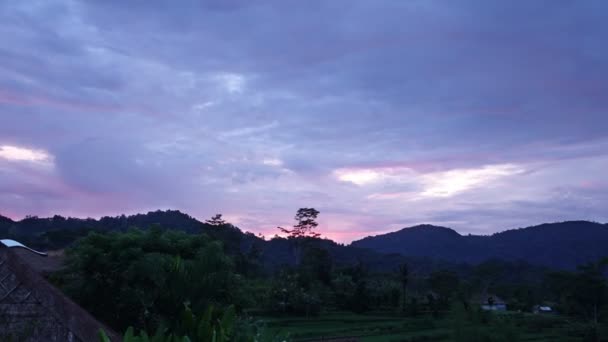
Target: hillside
{"x": 556, "y": 245}
{"x": 33, "y": 225}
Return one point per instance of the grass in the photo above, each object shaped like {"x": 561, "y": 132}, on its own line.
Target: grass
{"x": 370, "y": 327}
{"x": 392, "y": 328}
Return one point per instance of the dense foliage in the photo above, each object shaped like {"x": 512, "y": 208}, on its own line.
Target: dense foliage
{"x": 209, "y": 327}
{"x": 144, "y": 278}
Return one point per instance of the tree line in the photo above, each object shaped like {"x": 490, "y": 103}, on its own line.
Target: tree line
{"x": 149, "y": 280}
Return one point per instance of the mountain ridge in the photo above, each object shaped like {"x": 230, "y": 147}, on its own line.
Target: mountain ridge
{"x": 563, "y": 245}
{"x": 559, "y": 245}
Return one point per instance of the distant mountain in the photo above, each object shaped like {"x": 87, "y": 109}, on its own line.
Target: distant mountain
{"x": 278, "y": 252}
{"x": 420, "y": 241}
{"x": 59, "y": 232}
{"x": 556, "y": 245}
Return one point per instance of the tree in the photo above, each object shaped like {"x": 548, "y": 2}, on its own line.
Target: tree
{"x": 444, "y": 284}
{"x": 583, "y": 293}
{"x": 303, "y": 229}
{"x": 216, "y": 221}
{"x": 306, "y": 223}
{"x": 317, "y": 265}
{"x": 143, "y": 278}
{"x": 404, "y": 277}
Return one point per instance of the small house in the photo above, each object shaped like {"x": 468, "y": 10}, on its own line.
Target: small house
{"x": 491, "y": 303}
{"x": 542, "y": 309}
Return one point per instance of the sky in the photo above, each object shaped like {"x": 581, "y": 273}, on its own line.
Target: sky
{"x": 476, "y": 115}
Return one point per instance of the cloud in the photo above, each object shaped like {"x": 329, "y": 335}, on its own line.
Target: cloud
{"x": 16, "y": 153}
{"x": 380, "y": 114}
{"x": 232, "y": 83}
{"x": 432, "y": 184}
{"x": 450, "y": 183}
{"x": 248, "y": 130}
{"x": 359, "y": 177}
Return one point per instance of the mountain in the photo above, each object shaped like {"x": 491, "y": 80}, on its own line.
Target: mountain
{"x": 562, "y": 245}
{"x": 33, "y": 225}
{"x": 278, "y": 252}
{"x": 556, "y": 245}
{"x": 59, "y": 232}
{"x": 420, "y": 241}
{"x": 5, "y": 222}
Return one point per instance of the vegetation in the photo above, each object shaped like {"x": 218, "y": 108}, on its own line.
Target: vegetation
{"x": 159, "y": 284}
{"x": 306, "y": 223}
{"x": 216, "y": 221}
{"x": 143, "y": 279}
{"x": 208, "y": 327}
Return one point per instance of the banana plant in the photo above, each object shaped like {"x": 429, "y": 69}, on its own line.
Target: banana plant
{"x": 191, "y": 328}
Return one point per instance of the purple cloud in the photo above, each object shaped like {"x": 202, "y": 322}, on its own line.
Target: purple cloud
{"x": 482, "y": 116}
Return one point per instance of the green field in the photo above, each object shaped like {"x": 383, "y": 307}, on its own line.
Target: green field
{"x": 387, "y": 328}
{"x": 366, "y": 327}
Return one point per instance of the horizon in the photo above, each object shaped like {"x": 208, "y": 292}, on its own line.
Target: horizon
{"x": 271, "y": 235}
{"x": 381, "y": 115}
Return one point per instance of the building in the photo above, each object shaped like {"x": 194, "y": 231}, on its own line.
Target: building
{"x": 31, "y": 309}
{"x": 490, "y": 302}
{"x": 542, "y": 309}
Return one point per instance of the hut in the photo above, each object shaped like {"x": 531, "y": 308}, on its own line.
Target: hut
{"x": 490, "y": 302}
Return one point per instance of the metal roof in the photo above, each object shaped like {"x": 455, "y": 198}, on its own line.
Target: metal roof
{"x": 16, "y": 244}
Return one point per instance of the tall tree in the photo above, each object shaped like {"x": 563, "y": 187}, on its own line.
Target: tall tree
{"x": 216, "y": 220}
{"x": 305, "y": 226}
{"x": 303, "y": 229}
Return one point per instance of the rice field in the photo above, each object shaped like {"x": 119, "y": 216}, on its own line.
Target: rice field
{"x": 392, "y": 328}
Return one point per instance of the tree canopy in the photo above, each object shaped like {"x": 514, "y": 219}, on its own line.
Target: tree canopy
{"x": 305, "y": 224}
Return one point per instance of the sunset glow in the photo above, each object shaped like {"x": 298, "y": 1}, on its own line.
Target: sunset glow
{"x": 16, "y": 153}
{"x": 379, "y": 114}
{"x": 359, "y": 177}
{"x": 450, "y": 183}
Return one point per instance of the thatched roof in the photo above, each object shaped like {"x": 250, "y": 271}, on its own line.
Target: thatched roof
{"x": 31, "y": 309}
{"x": 41, "y": 265}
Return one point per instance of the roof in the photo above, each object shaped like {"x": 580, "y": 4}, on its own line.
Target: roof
{"x": 33, "y": 309}
{"x": 41, "y": 265}
{"x": 12, "y": 243}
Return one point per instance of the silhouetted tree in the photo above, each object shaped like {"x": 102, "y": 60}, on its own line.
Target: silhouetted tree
{"x": 305, "y": 226}
{"x": 216, "y": 221}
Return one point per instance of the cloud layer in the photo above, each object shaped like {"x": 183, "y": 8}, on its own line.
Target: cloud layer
{"x": 481, "y": 115}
